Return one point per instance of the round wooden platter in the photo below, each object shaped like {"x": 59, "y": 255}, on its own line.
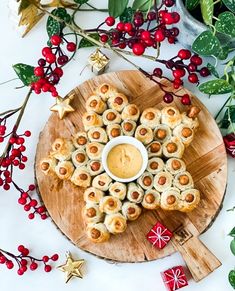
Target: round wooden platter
{"x": 206, "y": 161}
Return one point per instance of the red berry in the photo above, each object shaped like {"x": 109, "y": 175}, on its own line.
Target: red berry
{"x": 2, "y": 259}
{"x": 22, "y": 148}
{"x": 138, "y": 49}
{"x": 27, "y": 207}
{"x": 168, "y": 98}
{"x": 159, "y": 35}
{"x": 122, "y": 45}
{"x": 20, "y": 140}
{"x": 204, "y": 72}
{"x": 149, "y": 42}
{"x": 62, "y": 60}
{"x": 104, "y": 38}
{"x": 25, "y": 195}
{"x": 145, "y": 35}
{"x": 175, "y": 16}
{"x": 39, "y": 71}
{"x": 33, "y": 203}
{"x": 37, "y": 91}
{"x": 21, "y": 166}
{"x": 185, "y": 100}
{"x": 33, "y": 266}
{"x": 21, "y": 248}
{"x": 45, "y": 259}
{"x": 41, "y": 209}
{"x": 120, "y": 26}
{"x": 167, "y": 18}
{"x": 12, "y": 140}
{"x": 24, "y": 262}
{"x": 32, "y": 187}
{"x": 46, "y": 50}
{"x": 27, "y": 133}
{"x": 157, "y": 72}
{"x": 54, "y": 94}
{"x": 41, "y": 62}
{"x": 169, "y": 3}
{"x": 50, "y": 58}
{"x": 151, "y": 15}
{"x": 24, "y": 159}
{"x": 6, "y": 187}
{"x": 55, "y": 257}
{"x": 24, "y": 268}
{"x": 43, "y": 216}
{"x": 6, "y": 173}
{"x": 47, "y": 268}
{"x": 195, "y": 59}
{"x": 31, "y": 216}
{"x": 184, "y": 54}
{"x": 56, "y": 39}
{"x": 128, "y": 27}
{"x": 9, "y": 264}
{"x": 71, "y": 46}
{"x": 25, "y": 252}
{"x": 110, "y": 21}
{"x": 193, "y": 78}
{"x": 20, "y": 272}
{"x": 22, "y": 201}
{"x": 178, "y": 73}
{"x": 192, "y": 67}
{"x": 138, "y": 21}
{"x": 15, "y": 163}
{"x": 58, "y": 71}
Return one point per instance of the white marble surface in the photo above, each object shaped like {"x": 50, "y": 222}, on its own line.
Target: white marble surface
{"x": 42, "y": 237}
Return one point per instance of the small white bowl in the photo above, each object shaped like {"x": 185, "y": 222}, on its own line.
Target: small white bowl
{"x": 121, "y": 140}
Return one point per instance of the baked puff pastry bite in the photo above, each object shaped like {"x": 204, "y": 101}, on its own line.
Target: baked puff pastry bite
{"x": 128, "y": 127}
{"x": 155, "y": 165}
{"x": 92, "y": 214}
{"x": 115, "y": 223}
{"x": 134, "y": 193}
{"x": 111, "y": 116}
{"x": 131, "y": 111}
{"x": 175, "y": 166}
{"x": 170, "y": 199}
{"x": 81, "y": 177}
{"x": 80, "y": 139}
{"x": 96, "y": 104}
{"x": 95, "y": 167}
{"x": 162, "y": 181}
{"x": 183, "y": 181}
{"x": 191, "y": 122}
{"x": 189, "y": 199}
{"x": 117, "y": 102}
{"x": 118, "y": 190}
{"x": 64, "y": 170}
{"x": 144, "y": 134}
{"x": 171, "y": 116}
{"x": 162, "y": 132}
{"x": 94, "y": 150}
{"x": 146, "y": 180}
{"x": 114, "y": 130}
{"x": 47, "y": 165}
{"x": 154, "y": 149}
{"x": 79, "y": 158}
{"x": 151, "y": 199}
{"x": 151, "y": 117}
{"x": 131, "y": 211}
{"x": 91, "y": 119}
{"x": 62, "y": 149}
{"x": 92, "y": 195}
{"x": 97, "y": 134}
{"x": 173, "y": 148}
{"x": 110, "y": 205}
{"x": 185, "y": 133}
{"x": 98, "y": 233}
{"x": 105, "y": 91}
{"x": 102, "y": 182}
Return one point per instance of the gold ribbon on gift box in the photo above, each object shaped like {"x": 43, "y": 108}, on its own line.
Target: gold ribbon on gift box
{"x": 98, "y": 60}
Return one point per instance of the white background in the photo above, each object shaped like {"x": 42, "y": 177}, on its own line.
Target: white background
{"x": 42, "y": 237}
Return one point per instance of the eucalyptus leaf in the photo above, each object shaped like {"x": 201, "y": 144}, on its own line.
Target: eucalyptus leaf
{"x": 232, "y": 232}
{"x": 191, "y": 4}
{"x": 207, "y": 9}
{"x": 231, "y": 278}
{"x": 206, "y": 44}
{"x": 213, "y": 70}
{"x": 117, "y": 7}
{"x": 230, "y": 4}
{"x": 142, "y": 5}
{"x": 226, "y": 23}
{"x": 25, "y": 73}
{"x": 86, "y": 43}
{"x": 127, "y": 15}
{"x": 232, "y": 246}
{"x": 214, "y": 87}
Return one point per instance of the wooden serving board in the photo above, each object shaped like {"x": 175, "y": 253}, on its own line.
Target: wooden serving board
{"x": 206, "y": 161}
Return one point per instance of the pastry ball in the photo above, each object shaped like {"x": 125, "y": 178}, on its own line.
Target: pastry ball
{"x": 114, "y": 130}
{"x": 98, "y": 233}
{"x": 162, "y": 181}
{"x": 94, "y": 150}
{"x": 183, "y": 181}
{"x": 97, "y": 134}
{"x": 81, "y": 177}
{"x": 155, "y": 165}
{"x": 115, "y": 223}
{"x": 62, "y": 149}
{"x": 79, "y": 158}
{"x": 111, "y": 116}
{"x": 102, "y": 182}
{"x": 92, "y": 214}
{"x": 173, "y": 148}
{"x": 162, "y": 132}
{"x": 131, "y": 111}
{"x": 91, "y": 119}
{"x": 146, "y": 180}
{"x": 144, "y": 134}
{"x": 118, "y": 190}
{"x": 117, "y": 102}
{"x": 110, "y": 205}
{"x": 189, "y": 200}
{"x": 154, "y": 149}
{"x": 64, "y": 170}
{"x": 134, "y": 193}
{"x": 92, "y": 195}
{"x": 96, "y": 104}
{"x": 128, "y": 127}
{"x": 131, "y": 211}
{"x": 170, "y": 199}
{"x": 150, "y": 117}
{"x": 171, "y": 116}
{"x": 106, "y": 91}
{"x": 95, "y": 167}
{"x": 151, "y": 199}
{"x": 47, "y": 165}
{"x": 185, "y": 133}
{"x": 175, "y": 166}
{"x": 80, "y": 139}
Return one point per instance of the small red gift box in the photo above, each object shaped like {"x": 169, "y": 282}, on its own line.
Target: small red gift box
{"x": 229, "y": 141}
{"x": 174, "y": 278}
{"x": 159, "y": 235}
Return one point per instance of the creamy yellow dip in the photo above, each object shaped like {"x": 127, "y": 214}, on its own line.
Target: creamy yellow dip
{"x": 124, "y": 161}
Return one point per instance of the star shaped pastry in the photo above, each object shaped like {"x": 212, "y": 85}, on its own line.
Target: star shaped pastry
{"x": 72, "y": 268}
{"x": 62, "y": 106}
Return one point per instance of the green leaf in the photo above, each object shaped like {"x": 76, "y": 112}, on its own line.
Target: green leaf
{"x": 206, "y": 44}
{"x": 25, "y": 73}
{"x": 116, "y": 7}
{"x": 225, "y": 123}
{"x": 215, "y": 87}
{"x": 213, "y": 70}
{"x": 226, "y": 23}
{"x": 230, "y": 4}
{"x": 231, "y": 278}
{"x": 207, "y": 9}
{"x": 127, "y": 15}
{"x": 81, "y": 1}
{"x": 232, "y": 232}
{"x": 191, "y": 4}
{"x": 54, "y": 26}
{"x": 223, "y": 54}
{"x": 86, "y": 43}
{"x": 232, "y": 246}
{"x": 142, "y": 5}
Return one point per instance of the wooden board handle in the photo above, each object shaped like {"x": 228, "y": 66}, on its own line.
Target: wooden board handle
{"x": 199, "y": 259}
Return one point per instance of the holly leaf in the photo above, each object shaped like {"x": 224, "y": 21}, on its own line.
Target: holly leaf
{"x": 232, "y": 232}
{"x": 86, "y": 43}
{"x": 226, "y": 23}
{"x": 25, "y": 73}
{"x": 142, "y": 5}
{"x": 54, "y": 26}
{"x": 215, "y": 87}
{"x": 213, "y": 70}
{"x": 231, "y": 278}
{"x": 230, "y": 4}
{"x": 191, "y": 4}
{"x": 232, "y": 246}
{"x": 207, "y": 44}
{"x": 81, "y": 1}
{"x": 127, "y": 15}
{"x": 116, "y": 8}
{"x": 207, "y": 9}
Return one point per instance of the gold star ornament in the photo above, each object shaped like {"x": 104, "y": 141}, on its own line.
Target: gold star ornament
{"x": 72, "y": 268}
{"x": 63, "y": 106}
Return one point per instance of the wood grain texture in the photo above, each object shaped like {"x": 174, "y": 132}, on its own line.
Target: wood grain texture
{"x": 205, "y": 158}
